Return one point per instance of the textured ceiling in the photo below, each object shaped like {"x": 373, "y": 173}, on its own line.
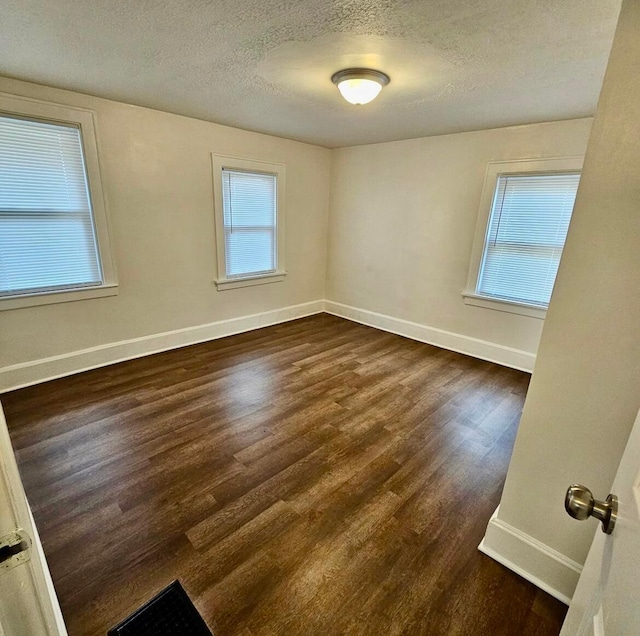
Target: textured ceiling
{"x": 266, "y": 65}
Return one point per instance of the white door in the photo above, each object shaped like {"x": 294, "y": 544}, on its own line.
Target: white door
{"x": 607, "y": 599}
{"x": 28, "y": 604}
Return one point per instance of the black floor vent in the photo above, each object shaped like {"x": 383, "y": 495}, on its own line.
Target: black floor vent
{"x": 169, "y": 613}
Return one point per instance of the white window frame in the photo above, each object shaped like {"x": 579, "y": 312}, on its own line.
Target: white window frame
{"x": 61, "y": 114}
{"x": 496, "y": 169}
{"x": 220, "y": 162}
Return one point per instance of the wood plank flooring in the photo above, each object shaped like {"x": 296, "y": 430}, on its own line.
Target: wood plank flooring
{"x": 317, "y": 477}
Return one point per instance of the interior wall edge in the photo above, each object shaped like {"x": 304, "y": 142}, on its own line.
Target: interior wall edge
{"x": 36, "y": 371}
{"x": 483, "y": 349}
{"x": 533, "y": 560}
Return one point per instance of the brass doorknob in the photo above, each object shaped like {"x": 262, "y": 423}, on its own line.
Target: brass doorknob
{"x": 581, "y": 505}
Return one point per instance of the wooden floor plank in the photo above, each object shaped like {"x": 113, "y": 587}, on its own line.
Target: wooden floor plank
{"x": 315, "y": 477}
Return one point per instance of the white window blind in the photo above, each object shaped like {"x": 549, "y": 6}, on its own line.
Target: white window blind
{"x": 526, "y": 234}
{"x": 47, "y": 235}
{"x": 249, "y": 208}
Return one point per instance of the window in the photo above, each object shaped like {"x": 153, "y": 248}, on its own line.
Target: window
{"x": 53, "y": 246}
{"x": 523, "y": 233}
{"x": 249, "y": 200}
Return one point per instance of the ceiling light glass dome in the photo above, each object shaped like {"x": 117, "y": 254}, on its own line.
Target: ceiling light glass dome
{"x": 359, "y": 85}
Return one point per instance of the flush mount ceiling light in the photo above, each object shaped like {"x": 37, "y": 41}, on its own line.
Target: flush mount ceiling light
{"x": 359, "y": 85}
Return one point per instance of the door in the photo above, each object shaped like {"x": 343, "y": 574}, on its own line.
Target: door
{"x": 28, "y": 604}
{"x": 607, "y": 599}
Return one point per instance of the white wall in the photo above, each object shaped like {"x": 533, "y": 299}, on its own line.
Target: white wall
{"x": 585, "y": 391}
{"x": 156, "y": 172}
{"x": 402, "y": 223}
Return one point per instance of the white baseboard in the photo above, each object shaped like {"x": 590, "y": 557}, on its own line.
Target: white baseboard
{"x": 534, "y": 561}
{"x": 27, "y": 373}
{"x": 506, "y": 356}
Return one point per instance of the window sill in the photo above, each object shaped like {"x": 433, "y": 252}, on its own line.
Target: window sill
{"x": 53, "y": 297}
{"x": 234, "y": 283}
{"x": 508, "y": 306}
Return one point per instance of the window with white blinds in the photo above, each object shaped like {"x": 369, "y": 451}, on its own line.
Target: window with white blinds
{"x": 249, "y": 219}
{"x": 250, "y": 222}
{"x": 47, "y": 234}
{"x": 526, "y": 232}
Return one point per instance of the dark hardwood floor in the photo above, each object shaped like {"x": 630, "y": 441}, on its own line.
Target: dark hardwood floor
{"x": 316, "y": 477}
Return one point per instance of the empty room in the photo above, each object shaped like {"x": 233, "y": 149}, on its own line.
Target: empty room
{"x": 319, "y": 318}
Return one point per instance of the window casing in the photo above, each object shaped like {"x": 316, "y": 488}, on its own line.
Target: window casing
{"x": 522, "y": 225}
{"x": 54, "y": 241}
{"x": 249, "y": 219}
